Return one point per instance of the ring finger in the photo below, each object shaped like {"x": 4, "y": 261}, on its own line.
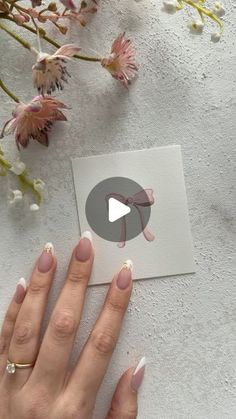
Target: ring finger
{"x": 9, "y": 322}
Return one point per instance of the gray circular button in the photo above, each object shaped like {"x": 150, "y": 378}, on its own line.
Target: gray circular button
{"x": 108, "y": 199}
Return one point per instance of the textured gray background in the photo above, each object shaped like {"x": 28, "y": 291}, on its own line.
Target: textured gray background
{"x": 185, "y": 94}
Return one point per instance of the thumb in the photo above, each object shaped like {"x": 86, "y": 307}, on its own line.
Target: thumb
{"x": 124, "y": 403}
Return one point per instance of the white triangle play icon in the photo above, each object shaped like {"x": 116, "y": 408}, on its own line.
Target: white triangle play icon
{"x": 116, "y": 210}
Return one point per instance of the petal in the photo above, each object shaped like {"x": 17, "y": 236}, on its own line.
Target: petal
{"x": 8, "y": 127}
{"x": 69, "y": 4}
{"x": 68, "y": 50}
{"x": 42, "y": 138}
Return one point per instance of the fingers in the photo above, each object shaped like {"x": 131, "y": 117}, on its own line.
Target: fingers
{"x": 9, "y": 322}
{"x": 94, "y": 359}
{"x": 25, "y": 338}
{"x": 124, "y": 403}
{"x": 55, "y": 350}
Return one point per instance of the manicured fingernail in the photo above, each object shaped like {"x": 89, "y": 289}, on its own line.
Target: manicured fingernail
{"x": 84, "y": 248}
{"x": 45, "y": 261}
{"x": 20, "y": 291}
{"x": 125, "y": 275}
{"x": 138, "y": 374}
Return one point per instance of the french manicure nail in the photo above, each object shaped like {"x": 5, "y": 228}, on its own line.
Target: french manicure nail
{"x": 20, "y": 291}
{"x": 125, "y": 275}
{"x": 138, "y": 374}
{"x": 45, "y": 261}
{"x": 84, "y": 248}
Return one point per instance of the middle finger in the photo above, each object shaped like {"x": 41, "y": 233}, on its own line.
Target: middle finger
{"x": 54, "y": 354}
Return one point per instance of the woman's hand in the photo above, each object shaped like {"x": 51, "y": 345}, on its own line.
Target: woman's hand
{"x": 45, "y": 389}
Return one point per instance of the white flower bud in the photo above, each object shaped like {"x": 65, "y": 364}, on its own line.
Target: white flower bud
{"x": 39, "y": 185}
{"x": 15, "y": 196}
{"x": 18, "y": 167}
{"x": 219, "y": 9}
{"x": 215, "y": 37}
{"x": 170, "y": 6}
{"x": 196, "y": 26}
{"x": 34, "y": 207}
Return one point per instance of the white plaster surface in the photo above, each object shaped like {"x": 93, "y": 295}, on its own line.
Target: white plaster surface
{"x": 185, "y": 94}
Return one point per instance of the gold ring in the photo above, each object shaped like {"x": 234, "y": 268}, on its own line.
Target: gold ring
{"x": 11, "y": 366}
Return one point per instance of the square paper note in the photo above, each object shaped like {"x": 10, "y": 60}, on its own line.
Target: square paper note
{"x": 166, "y": 246}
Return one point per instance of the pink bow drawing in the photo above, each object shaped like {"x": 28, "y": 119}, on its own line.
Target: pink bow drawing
{"x": 144, "y": 198}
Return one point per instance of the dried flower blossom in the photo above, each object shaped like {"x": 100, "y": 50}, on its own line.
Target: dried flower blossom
{"x": 80, "y": 15}
{"x": 215, "y": 37}
{"x": 121, "y": 62}
{"x": 170, "y": 6}
{"x": 50, "y": 71}
{"x": 36, "y": 3}
{"x": 39, "y": 185}
{"x": 69, "y": 4}
{"x": 34, "y": 120}
{"x": 18, "y": 168}
{"x": 15, "y": 196}
{"x": 34, "y": 207}
{"x": 219, "y": 9}
{"x": 196, "y": 27}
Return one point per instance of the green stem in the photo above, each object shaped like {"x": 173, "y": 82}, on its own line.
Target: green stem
{"x": 15, "y": 36}
{"x": 55, "y": 44}
{"x": 29, "y": 184}
{"x": 203, "y": 11}
{"x": 23, "y": 178}
{"x": 8, "y": 92}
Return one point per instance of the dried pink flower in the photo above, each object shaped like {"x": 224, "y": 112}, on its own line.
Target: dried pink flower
{"x": 121, "y": 63}
{"x": 34, "y": 120}
{"x": 19, "y": 19}
{"x": 36, "y": 3}
{"x": 50, "y": 71}
{"x": 69, "y": 4}
{"x": 79, "y": 15}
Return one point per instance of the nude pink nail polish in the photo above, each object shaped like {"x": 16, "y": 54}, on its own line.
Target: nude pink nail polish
{"x": 84, "y": 248}
{"x": 125, "y": 275}
{"x": 20, "y": 291}
{"x": 138, "y": 374}
{"x": 45, "y": 261}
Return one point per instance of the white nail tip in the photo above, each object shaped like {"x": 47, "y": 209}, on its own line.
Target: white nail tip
{"x": 49, "y": 248}
{"x": 87, "y": 235}
{"x": 128, "y": 264}
{"x": 22, "y": 282}
{"x": 140, "y": 365}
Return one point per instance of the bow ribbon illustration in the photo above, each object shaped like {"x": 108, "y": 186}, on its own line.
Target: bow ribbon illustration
{"x": 143, "y": 198}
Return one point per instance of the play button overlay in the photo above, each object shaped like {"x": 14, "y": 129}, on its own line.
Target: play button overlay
{"x": 118, "y": 209}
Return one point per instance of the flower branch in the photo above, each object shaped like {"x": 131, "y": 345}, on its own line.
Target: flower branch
{"x": 18, "y": 170}
{"x": 43, "y": 35}
{"x": 8, "y": 92}
{"x": 197, "y": 26}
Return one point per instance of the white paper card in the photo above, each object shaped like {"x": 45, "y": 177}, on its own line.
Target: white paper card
{"x": 161, "y": 169}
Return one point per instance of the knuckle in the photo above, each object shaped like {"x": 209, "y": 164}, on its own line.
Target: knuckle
{"x": 77, "y": 277}
{"x": 23, "y": 333}
{"x": 35, "y": 407}
{"x": 115, "y": 412}
{"x": 10, "y": 318}
{"x": 78, "y": 408}
{"x": 63, "y": 325}
{"x": 3, "y": 345}
{"x": 116, "y": 305}
{"x": 7, "y": 327}
{"x": 37, "y": 286}
{"x": 103, "y": 343}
